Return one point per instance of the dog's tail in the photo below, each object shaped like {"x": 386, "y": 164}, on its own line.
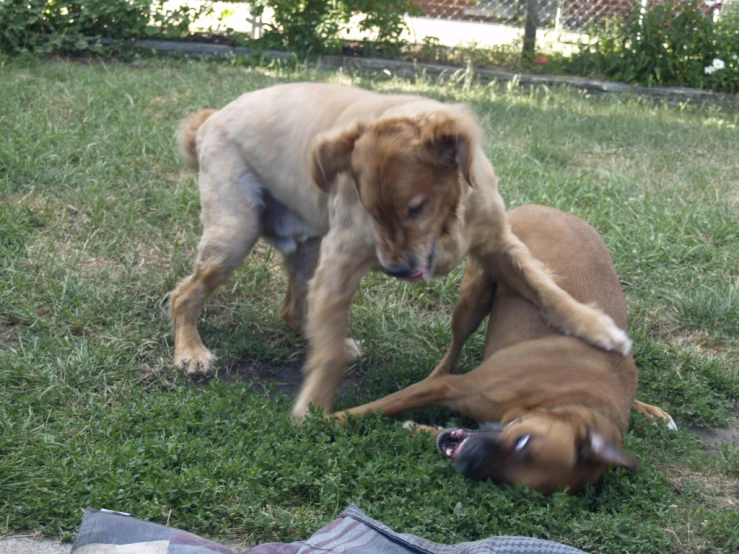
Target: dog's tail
{"x": 187, "y": 137}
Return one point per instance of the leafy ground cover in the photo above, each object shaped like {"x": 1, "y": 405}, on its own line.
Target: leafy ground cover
{"x": 99, "y": 220}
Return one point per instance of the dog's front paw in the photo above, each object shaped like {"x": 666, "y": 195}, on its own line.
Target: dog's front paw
{"x": 194, "y": 360}
{"x": 619, "y": 341}
{"x": 607, "y": 336}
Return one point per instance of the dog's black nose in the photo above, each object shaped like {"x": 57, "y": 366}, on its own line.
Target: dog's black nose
{"x": 400, "y": 270}
{"x": 479, "y": 457}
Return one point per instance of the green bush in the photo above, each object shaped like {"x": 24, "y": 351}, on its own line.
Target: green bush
{"x": 674, "y": 43}
{"x": 68, "y": 25}
{"x": 316, "y": 26}
{"x": 727, "y": 51}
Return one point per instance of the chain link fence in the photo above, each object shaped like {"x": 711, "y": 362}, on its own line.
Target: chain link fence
{"x": 559, "y": 24}
{"x": 562, "y": 21}
{"x": 568, "y": 14}
{"x": 571, "y": 14}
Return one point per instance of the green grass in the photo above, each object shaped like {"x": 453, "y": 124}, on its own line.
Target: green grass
{"x": 99, "y": 220}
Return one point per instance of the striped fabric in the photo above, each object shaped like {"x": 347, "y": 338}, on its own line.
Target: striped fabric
{"x": 106, "y": 532}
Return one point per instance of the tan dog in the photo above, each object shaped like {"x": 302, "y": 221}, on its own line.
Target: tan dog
{"x": 562, "y": 405}
{"x": 403, "y": 186}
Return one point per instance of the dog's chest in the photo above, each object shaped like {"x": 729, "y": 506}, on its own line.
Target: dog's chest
{"x": 452, "y": 250}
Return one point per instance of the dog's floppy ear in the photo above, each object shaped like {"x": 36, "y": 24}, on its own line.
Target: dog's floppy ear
{"x": 331, "y": 154}
{"x": 599, "y": 450}
{"x": 452, "y": 140}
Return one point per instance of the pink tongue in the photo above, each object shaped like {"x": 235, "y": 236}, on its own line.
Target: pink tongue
{"x": 420, "y": 274}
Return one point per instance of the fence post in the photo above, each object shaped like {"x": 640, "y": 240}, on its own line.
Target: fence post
{"x": 558, "y": 19}
{"x": 529, "y": 28}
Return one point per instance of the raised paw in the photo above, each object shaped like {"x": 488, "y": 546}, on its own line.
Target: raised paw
{"x": 194, "y": 360}
{"x": 605, "y": 334}
{"x": 617, "y": 340}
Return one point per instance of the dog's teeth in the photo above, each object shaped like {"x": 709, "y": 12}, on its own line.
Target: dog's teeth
{"x": 449, "y": 452}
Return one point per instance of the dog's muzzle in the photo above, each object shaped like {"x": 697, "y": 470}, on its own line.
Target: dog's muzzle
{"x": 451, "y": 442}
{"x": 411, "y": 270}
{"x": 473, "y": 452}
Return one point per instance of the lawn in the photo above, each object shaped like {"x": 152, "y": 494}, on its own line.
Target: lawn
{"x": 99, "y": 221}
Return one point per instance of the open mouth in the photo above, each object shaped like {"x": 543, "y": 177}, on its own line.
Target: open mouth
{"x": 451, "y": 442}
{"x": 426, "y": 271}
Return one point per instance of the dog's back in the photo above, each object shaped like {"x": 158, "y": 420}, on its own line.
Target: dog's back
{"x": 580, "y": 263}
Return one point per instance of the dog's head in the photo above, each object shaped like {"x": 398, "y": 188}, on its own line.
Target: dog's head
{"x": 410, "y": 174}
{"x": 545, "y": 453}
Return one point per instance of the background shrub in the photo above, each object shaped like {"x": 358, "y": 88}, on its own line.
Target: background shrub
{"x": 68, "y": 25}
{"x": 673, "y": 43}
{"x": 316, "y": 26}
{"x": 726, "y": 49}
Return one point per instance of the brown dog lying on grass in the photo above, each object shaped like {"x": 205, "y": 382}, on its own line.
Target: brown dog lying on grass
{"x": 561, "y": 404}
{"x": 343, "y": 180}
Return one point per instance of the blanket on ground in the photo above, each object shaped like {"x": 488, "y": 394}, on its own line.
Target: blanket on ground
{"x": 106, "y": 532}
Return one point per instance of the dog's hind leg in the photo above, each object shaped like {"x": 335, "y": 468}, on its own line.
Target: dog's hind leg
{"x": 652, "y": 412}
{"x": 512, "y": 261}
{"x": 475, "y": 301}
{"x": 231, "y": 204}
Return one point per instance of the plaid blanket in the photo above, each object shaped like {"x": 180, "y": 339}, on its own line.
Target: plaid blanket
{"x": 106, "y": 532}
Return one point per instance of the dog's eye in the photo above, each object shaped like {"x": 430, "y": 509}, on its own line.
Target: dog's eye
{"x": 521, "y": 442}
{"x": 413, "y": 211}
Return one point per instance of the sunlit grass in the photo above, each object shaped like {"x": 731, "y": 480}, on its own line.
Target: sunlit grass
{"x": 99, "y": 220}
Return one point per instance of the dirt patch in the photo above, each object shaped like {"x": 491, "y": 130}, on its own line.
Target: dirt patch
{"x": 719, "y": 489}
{"x": 669, "y": 333}
{"x": 698, "y": 341}
{"x": 8, "y": 334}
{"x": 717, "y": 437}
{"x": 75, "y": 256}
{"x": 282, "y": 378}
